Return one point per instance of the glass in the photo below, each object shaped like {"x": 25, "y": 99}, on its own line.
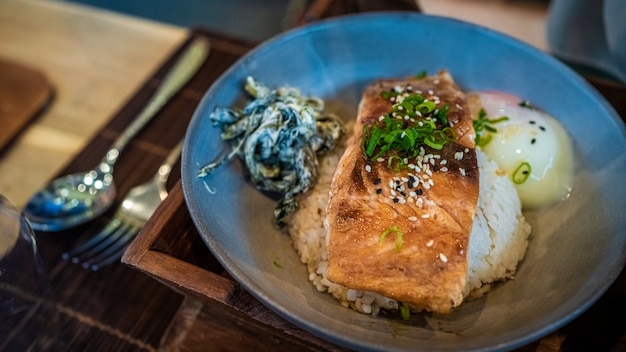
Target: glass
{"x": 28, "y": 318}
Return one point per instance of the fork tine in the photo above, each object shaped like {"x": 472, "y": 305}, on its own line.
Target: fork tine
{"x": 98, "y": 247}
{"x": 95, "y": 240}
{"x": 113, "y": 253}
{"x": 108, "y": 242}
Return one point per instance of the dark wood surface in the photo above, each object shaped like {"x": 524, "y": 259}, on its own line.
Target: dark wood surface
{"x": 116, "y": 308}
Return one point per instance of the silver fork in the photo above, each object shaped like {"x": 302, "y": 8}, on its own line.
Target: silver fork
{"x": 108, "y": 245}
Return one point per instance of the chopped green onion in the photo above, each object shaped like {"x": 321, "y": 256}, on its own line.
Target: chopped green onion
{"x": 483, "y": 127}
{"x": 277, "y": 263}
{"x": 399, "y": 234}
{"x": 426, "y": 107}
{"x": 521, "y": 174}
{"x": 399, "y": 132}
{"x": 405, "y": 311}
{"x": 526, "y": 104}
{"x": 387, "y": 94}
{"x": 421, "y": 75}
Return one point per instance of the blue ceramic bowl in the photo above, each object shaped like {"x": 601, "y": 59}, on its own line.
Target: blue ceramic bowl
{"x": 577, "y": 247}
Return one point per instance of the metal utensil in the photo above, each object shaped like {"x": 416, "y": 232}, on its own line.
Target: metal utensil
{"x": 74, "y": 199}
{"x": 108, "y": 245}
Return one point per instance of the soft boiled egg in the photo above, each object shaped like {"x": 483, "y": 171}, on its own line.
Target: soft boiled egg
{"x": 531, "y": 147}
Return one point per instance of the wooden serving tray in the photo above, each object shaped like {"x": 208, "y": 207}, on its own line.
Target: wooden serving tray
{"x": 218, "y": 312}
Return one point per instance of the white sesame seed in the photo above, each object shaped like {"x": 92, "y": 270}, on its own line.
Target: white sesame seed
{"x": 432, "y": 183}
{"x": 459, "y": 107}
{"x": 430, "y": 243}
{"x": 425, "y": 216}
{"x": 444, "y": 169}
{"x": 458, "y": 155}
{"x": 368, "y": 168}
{"x": 443, "y": 162}
{"x": 380, "y": 159}
{"x": 430, "y": 92}
{"x": 437, "y": 156}
{"x": 412, "y": 218}
{"x": 393, "y": 193}
{"x": 401, "y": 200}
{"x": 462, "y": 171}
{"x": 443, "y": 258}
{"x": 466, "y": 150}
{"x": 381, "y": 118}
{"x": 412, "y": 194}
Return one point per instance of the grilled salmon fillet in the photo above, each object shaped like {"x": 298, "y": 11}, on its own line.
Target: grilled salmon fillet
{"x": 404, "y": 231}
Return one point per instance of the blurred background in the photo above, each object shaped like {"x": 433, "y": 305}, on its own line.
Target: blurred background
{"x": 257, "y": 20}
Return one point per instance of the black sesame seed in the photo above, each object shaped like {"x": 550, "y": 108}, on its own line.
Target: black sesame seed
{"x": 396, "y": 200}
{"x": 542, "y": 128}
{"x": 525, "y": 172}
{"x": 419, "y": 192}
{"x": 436, "y": 168}
{"x": 532, "y": 141}
{"x": 403, "y": 194}
{"x": 377, "y": 181}
{"x": 379, "y": 191}
{"x": 532, "y": 122}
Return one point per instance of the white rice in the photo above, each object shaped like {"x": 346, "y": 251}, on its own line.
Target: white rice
{"x": 498, "y": 240}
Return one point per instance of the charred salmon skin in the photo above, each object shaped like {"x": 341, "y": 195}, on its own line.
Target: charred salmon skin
{"x": 404, "y": 194}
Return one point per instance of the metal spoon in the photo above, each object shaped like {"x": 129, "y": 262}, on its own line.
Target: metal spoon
{"x": 74, "y": 199}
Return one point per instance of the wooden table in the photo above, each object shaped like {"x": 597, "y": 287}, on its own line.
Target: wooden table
{"x": 103, "y": 67}
{"x": 94, "y": 61}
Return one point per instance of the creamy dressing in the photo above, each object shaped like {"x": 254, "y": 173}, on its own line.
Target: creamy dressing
{"x": 531, "y": 138}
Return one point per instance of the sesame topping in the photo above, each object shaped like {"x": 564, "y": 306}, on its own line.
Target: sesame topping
{"x": 368, "y": 168}
{"x": 443, "y": 258}
{"x": 412, "y": 218}
{"x": 430, "y": 243}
